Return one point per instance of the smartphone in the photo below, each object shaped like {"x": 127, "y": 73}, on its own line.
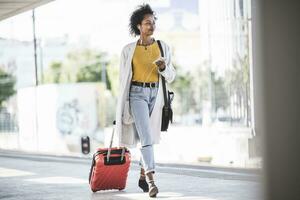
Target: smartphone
{"x": 159, "y": 59}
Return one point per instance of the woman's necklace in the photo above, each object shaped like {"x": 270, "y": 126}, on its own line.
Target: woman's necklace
{"x": 145, "y": 45}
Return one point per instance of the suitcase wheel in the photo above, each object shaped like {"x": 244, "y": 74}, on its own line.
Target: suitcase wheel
{"x": 121, "y": 189}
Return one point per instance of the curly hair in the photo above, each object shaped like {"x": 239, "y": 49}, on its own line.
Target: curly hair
{"x": 137, "y": 17}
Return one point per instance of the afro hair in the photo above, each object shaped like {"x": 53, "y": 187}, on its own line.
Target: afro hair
{"x": 137, "y": 17}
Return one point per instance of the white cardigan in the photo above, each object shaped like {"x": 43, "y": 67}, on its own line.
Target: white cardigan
{"x": 124, "y": 122}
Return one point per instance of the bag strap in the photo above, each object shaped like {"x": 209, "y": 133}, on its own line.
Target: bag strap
{"x": 162, "y": 77}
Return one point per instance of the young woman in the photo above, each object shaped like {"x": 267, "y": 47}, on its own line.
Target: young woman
{"x": 140, "y": 102}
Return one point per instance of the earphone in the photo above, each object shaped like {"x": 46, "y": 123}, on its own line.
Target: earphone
{"x": 139, "y": 27}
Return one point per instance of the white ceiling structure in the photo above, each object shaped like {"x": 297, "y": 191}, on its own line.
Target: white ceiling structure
{"x": 9, "y": 8}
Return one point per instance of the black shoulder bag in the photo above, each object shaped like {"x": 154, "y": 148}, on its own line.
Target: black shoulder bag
{"x": 167, "y": 113}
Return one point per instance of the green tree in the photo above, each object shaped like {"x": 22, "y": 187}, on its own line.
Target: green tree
{"x": 192, "y": 88}
{"x": 95, "y": 72}
{"x": 182, "y": 89}
{"x": 205, "y": 80}
{"x": 113, "y": 74}
{"x": 200, "y": 85}
{"x": 83, "y": 65}
{"x": 7, "y": 84}
{"x": 238, "y": 82}
{"x": 56, "y": 68}
{"x": 220, "y": 94}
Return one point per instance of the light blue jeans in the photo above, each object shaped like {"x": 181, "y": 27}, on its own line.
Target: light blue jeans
{"x": 142, "y": 101}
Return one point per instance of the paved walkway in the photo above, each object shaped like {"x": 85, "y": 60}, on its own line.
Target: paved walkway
{"x": 30, "y": 177}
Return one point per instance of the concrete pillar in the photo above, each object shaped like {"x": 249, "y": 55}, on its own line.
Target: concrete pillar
{"x": 276, "y": 73}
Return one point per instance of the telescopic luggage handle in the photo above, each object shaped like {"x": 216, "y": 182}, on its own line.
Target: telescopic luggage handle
{"x": 110, "y": 145}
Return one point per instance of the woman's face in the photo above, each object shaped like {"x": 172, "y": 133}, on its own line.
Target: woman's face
{"x": 147, "y": 26}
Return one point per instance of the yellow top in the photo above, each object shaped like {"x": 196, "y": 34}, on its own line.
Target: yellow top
{"x": 144, "y": 70}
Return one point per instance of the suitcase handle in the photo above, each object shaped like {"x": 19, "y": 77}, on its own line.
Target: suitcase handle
{"x": 110, "y": 145}
{"x": 115, "y": 161}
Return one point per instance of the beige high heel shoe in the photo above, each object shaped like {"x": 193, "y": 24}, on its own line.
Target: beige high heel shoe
{"x": 153, "y": 190}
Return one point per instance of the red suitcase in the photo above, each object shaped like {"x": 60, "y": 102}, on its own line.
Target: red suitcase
{"x": 109, "y": 168}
